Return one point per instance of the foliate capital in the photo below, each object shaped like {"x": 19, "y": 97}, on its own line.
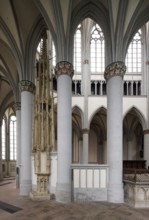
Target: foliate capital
{"x": 17, "y": 106}
{"x": 117, "y": 68}
{"x": 64, "y": 68}
{"x": 26, "y": 85}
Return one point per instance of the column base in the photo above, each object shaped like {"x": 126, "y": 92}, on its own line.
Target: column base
{"x": 25, "y": 187}
{"x": 116, "y": 193}
{"x": 63, "y": 192}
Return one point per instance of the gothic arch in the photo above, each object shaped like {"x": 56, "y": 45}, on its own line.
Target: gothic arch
{"x": 138, "y": 114}
{"x": 96, "y": 12}
{"x": 136, "y": 22}
{"x": 132, "y": 135}
{"x": 31, "y": 47}
{"x": 77, "y": 117}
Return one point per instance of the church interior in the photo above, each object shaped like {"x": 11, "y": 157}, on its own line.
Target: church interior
{"x": 74, "y": 99}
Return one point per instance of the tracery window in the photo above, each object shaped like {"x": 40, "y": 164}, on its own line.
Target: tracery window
{"x": 12, "y": 137}
{"x": 3, "y": 139}
{"x": 134, "y": 54}
{"x": 77, "y": 49}
{"x": 97, "y": 50}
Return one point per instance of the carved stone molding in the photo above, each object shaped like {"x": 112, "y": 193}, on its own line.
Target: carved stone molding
{"x": 117, "y": 68}
{"x": 17, "y": 106}
{"x": 26, "y": 85}
{"x": 86, "y": 61}
{"x": 64, "y": 68}
{"x": 85, "y": 131}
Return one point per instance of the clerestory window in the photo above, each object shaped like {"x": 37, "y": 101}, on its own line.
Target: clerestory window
{"x": 97, "y": 50}
{"x": 77, "y": 49}
{"x": 134, "y": 54}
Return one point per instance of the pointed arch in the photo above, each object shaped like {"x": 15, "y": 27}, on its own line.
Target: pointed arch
{"x": 96, "y": 12}
{"x": 77, "y": 117}
{"x": 138, "y": 114}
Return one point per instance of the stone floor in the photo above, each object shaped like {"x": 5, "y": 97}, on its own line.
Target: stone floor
{"x": 10, "y": 202}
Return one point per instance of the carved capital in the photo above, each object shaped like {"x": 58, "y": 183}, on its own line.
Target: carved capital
{"x": 26, "y": 85}
{"x": 117, "y": 68}
{"x": 64, "y": 68}
{"x": 86, "y": 61}
{"x": 85, "y": 131}
{"x": 17, "y": 106}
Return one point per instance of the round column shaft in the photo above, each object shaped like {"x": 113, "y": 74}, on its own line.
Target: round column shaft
{"x": 18, "y": 139}
{"x": 114, "y": 76}
{"x": 27, "y": 88}
{"x": 1, "y": 170}
{"x": 85, "y": 134}
{"x": 146, "y": 148}
{"x": 64, "y": 72}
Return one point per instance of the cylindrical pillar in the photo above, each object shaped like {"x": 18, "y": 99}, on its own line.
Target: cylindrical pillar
{"x": 64, "y": 72}
{"x": 27, "y": 89}
{"x": 1, "y": 170}
{"x": 114, "y": 76}
{"x": 85, "y": 135}
{"x": 146, "y": 147}
{"x": 80, "y": 150}
{"x": 18, "y": 140}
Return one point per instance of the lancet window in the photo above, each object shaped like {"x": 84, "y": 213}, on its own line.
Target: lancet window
{"x": 97, "y": 50}
{"x": 134, "y": 54}
{"x": 12, "y": 137}
{"x": 4, "y": 139}
{"x": 77, "y": 49}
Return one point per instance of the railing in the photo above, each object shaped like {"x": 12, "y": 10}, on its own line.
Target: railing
{"x": 90, "y": 182}
{"x": 99, "y": 87}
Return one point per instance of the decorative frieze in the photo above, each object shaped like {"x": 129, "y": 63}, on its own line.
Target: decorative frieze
{"x": 64, "y": 68}
{"x": 117, "y": 68}
{"x": 26, "y": 85}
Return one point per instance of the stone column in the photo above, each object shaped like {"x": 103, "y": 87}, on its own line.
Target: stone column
{"x": 114, "y": 76}
{"x": 27, "y": 89}
{"x": 146, "y": 147}
{"x": 64, "y": 72}
{"x": 85, "y": 134}
{"x": 18, "y": 139}
{"x": 1, "y": 170}
{"x": 80, "y": 150}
